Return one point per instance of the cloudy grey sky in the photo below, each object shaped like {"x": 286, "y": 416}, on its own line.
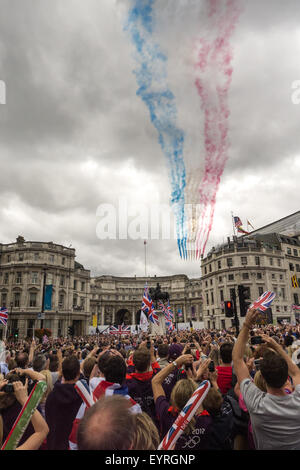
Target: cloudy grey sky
{"x": 74, "y": 135}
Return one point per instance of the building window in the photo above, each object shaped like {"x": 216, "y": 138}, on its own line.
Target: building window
{"x": 229, "y": 262}
{"x": 219, "y": 264}
{"x": 207, "y": 299}
{"x": 230, "y": 277}
{"x": 273, "y": 276}
{"x": 32, "y": 299}
{"x": 82, "y": 286}
{"x": 289, "y": 251}
{"x": 19, "y": 278}
{"x": 283, "y": 292}
{"x": 205, "y": 270}
{"x": 221, "y": 295}
{"x": 6, "y": 278}
{"x": 63, "y": 260}
{"x": 278, "y": 262}
{"x": 75, "y": 285}
{"x": 271, "y": 261}
{"x": 36, "y": 256}
{"x": 244, "y": 260}
{"x": 51, "y": 258}
{"x": 220, "y": 278}
{"x": 206, "y": 284}
{"x": 211, "y": 282}
{"x": 295, "y": 252}
{"x": 297, "y": 268}
{"x": 34, "y": 278}
{"x": 281, "y": 277}
{"x": 62, "y": 280}
{"x": 260, "y": 291}
{"x": 4, "y": 300}
{"x": 210, "y": 268}
{"x": 296, "y": 299}
{"x": 21, "y": 256}
{"x": 212, "y": 297}
{"x": 257, "y": 260}
{"x": 259, "y": 276}
{"x": 61, "y": 301}
{"x": 245, "y": 275}
{"x": 291, "y": 267}
{"x": 17, "y": 298}
{"x": 8, "y": 258}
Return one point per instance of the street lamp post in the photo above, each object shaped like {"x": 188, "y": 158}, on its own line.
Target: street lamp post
{"x": 43, "y": 297}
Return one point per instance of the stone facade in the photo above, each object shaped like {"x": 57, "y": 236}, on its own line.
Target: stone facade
{"x": 259, "y": 262}
{"x": 118, "y": 299}
{"x": 25, "y": 269}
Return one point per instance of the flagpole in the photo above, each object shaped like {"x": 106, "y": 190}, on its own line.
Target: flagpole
{"x": 234, "y": 234}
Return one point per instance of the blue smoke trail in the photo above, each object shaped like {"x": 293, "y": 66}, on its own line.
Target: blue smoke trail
{"x": 153, "y": 89}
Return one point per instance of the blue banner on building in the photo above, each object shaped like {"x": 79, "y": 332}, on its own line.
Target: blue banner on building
{"x": 48, "y": 297}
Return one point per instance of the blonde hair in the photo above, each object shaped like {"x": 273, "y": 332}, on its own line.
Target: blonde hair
{"x": 260, "y": 382}
{"x": 181, "y": 393}
{"x": 146, "y": 436}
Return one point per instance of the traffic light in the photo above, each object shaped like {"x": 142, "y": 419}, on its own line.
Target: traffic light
{"x": 16, "y": 333}
{"x": 228, "y": 304}
{"x": 244, "y": 294}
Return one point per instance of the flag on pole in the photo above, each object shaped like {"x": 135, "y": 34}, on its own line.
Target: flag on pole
{"x": 3, "y": 315}
{"x": 148, "y": 307}
{"x": 144, "y": 324}
{"x": 248, "y": 223}
{"x": 168, "y": 317}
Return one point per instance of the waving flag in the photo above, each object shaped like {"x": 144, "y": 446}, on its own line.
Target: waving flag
{"x": 237, "y": 222}
{"x": 168, "y": 317}
{"x": 185, "y": 417}
{"x": 144, "y": 324}
{"x": 264, "y": 301}
{"x": 3, "y": 316}
{"x": 148, "y": 307}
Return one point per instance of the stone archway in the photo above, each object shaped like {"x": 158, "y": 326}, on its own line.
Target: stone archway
{"x": 123, "y": 316}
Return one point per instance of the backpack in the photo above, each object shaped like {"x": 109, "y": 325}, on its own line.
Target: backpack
{"x": 240, "y": 417}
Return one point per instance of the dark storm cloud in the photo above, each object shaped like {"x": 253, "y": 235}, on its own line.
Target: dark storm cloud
{"x": 75, "y": 135}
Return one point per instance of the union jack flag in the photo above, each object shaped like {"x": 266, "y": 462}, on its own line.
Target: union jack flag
{"x": 170, "y": 311}
{"x": 120, "y": 330}
{"x": 296, "y": 307}
{"x": 3, "y": 315}
{"x": 148, "y": 307}
{"x": 168, "y": 317}
{"x": 264, "y": 301}
{"x": 185, "y": 417}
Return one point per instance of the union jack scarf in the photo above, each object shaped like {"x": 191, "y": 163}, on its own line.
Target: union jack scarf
{"x": 99, "y": 387}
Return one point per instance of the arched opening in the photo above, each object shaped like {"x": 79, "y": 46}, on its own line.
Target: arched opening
{"x": 138, "y": 317}
{"x": 123, "y": 316}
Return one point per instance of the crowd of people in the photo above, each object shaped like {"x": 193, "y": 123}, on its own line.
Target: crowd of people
{"x": 140, "y": 383}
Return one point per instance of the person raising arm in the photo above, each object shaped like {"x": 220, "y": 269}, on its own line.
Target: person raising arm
{"x": 240, "y": 368}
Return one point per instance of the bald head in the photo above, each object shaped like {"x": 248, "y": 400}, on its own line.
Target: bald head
{"x": 107, "y": 425}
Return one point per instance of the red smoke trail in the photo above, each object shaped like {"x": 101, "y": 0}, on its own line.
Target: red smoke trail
{"x": 214, "y": 72}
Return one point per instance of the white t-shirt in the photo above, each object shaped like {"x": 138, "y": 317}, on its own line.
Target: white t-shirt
{"x": 275, "y": 419}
